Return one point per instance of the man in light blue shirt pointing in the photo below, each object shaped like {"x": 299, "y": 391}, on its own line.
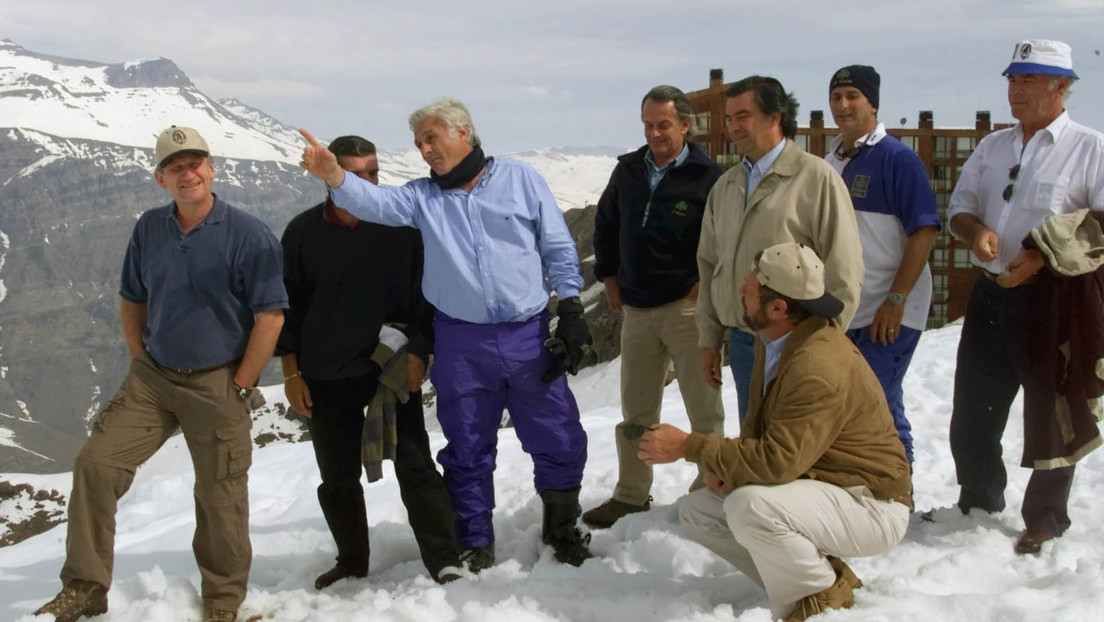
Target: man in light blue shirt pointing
{"x": 496, "y": 247}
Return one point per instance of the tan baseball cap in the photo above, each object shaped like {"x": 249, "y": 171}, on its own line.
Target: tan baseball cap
{"x": 795, "y": 271}
{"x": 177, "y": 139}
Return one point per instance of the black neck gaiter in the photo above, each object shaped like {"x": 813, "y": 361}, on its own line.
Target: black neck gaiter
{"x": 463, "y": 172}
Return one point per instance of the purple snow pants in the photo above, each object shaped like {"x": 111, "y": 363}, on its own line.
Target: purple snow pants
{"x": 481, "y": 369}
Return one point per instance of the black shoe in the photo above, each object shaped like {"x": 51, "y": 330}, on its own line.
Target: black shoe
{"x": 571, "y": 550}
{"x": 337, "y": 573}
{"x": 561, "y": 511}
{"x": 479, "y": 558}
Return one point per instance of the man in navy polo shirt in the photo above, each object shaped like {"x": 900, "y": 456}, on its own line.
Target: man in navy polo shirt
{"x": 202, "y": 305}
{"x": 897, "y": 219}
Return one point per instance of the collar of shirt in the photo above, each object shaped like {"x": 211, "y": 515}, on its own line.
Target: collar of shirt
{"x": 655, "y": 175}
{"x": 217, "y": 213}
{"x": 870, "y": 139}
{"x": 1054, "y": 130}
{"x": 774, "y": 354}
{"x": 756, "y": 172}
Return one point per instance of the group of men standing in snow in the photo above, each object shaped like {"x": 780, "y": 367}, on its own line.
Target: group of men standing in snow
{"x": 813, "y": 271}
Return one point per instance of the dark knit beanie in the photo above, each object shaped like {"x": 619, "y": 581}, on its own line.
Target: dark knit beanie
{"x": 862, "y": 77}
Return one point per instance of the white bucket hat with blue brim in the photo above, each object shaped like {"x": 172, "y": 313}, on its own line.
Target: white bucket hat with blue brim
{"x": 1042, "y": 56}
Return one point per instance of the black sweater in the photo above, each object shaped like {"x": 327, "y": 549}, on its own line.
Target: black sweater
{"x": 649, "y": 241}
{"x": 343, "y": 285}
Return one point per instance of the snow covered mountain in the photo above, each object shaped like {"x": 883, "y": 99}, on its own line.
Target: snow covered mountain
{"x": 76, "y": 153}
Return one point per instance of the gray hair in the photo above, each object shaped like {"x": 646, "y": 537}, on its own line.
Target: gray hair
{"x": 1056, "y": 81}
{"x": 667, "y": 93}
{"x": 451, "y": 113}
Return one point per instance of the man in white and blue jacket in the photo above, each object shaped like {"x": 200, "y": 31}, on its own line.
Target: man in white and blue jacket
{"x": 898, "y": 221}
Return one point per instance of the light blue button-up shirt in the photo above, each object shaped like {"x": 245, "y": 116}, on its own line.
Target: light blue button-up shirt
{"x": 774, "y": 355}
{"x": 656, "y": 174}
{"x": 492, "y": 255}
{"x": 756, "y": 172}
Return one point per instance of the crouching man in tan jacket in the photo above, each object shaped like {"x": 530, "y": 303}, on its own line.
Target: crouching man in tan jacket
{"x": 818, "y": 471}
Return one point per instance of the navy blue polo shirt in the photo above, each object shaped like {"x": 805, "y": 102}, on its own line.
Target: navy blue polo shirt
{"x": 202, "y": 288}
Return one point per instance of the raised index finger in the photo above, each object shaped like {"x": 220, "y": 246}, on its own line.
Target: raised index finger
{"x": 310, "y": 138}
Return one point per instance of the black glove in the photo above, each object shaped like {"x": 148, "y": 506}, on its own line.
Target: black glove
{"x": 571, "y": 341}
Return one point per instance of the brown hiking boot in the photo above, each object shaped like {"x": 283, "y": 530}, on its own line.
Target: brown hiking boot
{"x": 76, "y": 600}
{"x": 837, "y": 596}
{"x": 605, "y": 515}
{"x": 843, "y": 571}
{"x": 219, "y": 615}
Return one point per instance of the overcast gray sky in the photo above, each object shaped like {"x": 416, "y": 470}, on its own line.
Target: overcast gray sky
{"x": 569, "y": 72}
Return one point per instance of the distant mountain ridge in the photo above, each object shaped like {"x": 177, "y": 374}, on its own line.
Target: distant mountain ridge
{"x": 76, "y": 155}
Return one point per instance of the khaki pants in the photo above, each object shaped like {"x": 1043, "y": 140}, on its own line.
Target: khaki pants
{"x": 779, "y": 535}
{"x": 649, "y": 339}
{"x": 148, "y": 408}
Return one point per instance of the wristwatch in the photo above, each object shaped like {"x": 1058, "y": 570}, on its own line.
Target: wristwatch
{"x": 895, "y": 298}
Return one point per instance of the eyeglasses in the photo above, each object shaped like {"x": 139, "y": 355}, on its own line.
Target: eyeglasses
{"x": 1013, "y": 173}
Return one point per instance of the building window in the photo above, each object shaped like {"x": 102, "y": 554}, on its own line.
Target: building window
{"x": 964, "y": 146}
{"x": 940, "y": 292}
{"x": 962, "y": 258}
{"x": 701, "y": 123}
{"x": 942, "y": 148}
{"x": 938, "y": 315}
{"x": 941, "y": 179}
{"x": 802, "y": 141}
{"x": 939, "y": 258}
{"x": 910, "y": 142}
{"x": 942, "y": 199}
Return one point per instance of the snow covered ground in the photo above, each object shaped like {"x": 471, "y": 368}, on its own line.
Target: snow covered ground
{"x": 647, "y": 570}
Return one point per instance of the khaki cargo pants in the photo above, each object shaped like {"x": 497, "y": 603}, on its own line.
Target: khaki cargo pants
{"x": 649, "y": 339}
{"x": 151, "y": 404}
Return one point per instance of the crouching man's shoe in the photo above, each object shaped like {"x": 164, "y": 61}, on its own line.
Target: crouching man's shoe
{"x": 837, "y": 596}
{"x": 76, "y": 600}
{"x": 605, "y": 515}
{"x": 843, "y": 571}
{"x": 219, "y": 615}
{"x": 337, "y": 573}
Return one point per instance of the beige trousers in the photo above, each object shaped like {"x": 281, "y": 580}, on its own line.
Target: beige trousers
{"x": 649, "y": 339}
{"x": 779, "y": 535}
{"x": 151, "y": 404}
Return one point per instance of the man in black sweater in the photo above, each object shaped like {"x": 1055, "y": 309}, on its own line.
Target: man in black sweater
{"x": 645, "y": 243}
{"x": 346, "y": 279}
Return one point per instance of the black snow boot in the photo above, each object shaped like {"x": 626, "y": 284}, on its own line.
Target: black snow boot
{"x": 561, "y": 511}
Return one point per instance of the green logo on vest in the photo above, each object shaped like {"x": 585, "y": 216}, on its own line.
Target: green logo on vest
{"x": 681, "y": 208}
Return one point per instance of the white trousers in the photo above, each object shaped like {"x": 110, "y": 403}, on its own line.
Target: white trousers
{"x": 779, "y": 535}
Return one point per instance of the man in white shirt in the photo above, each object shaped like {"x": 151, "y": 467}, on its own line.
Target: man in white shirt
{"x": 1016, "y": 179}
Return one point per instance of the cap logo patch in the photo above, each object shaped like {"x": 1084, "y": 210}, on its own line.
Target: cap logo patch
{"x": 179, "y": 137}
{"x": 1025, "y": 51}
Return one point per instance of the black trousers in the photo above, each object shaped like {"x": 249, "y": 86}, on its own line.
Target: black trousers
{"x": 993, "y": 363}
{"x": 336, "y": 433}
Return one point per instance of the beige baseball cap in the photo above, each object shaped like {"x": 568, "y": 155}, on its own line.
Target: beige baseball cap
{"x": 795, "y": 271}
{"x": 177, "y": 139}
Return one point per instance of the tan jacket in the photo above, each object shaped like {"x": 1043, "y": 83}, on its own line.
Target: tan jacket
{"x": 824, "y": 417}
{"x": 801, "y": 199}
